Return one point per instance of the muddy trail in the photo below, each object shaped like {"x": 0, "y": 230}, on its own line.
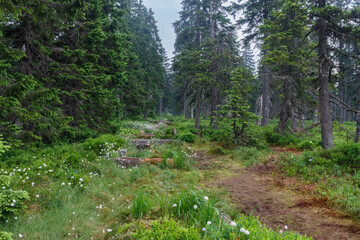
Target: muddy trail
{"x": 259, "y": 191}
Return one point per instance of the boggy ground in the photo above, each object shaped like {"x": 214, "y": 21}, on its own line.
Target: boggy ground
{"x": 278, "y": 201}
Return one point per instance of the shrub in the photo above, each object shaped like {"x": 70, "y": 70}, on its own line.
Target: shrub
{"x": 281, "y": 140}
{"x": 104, "y": 143}
{"x": 11, "y": 201}
{"x": 249, "y": 155}
{"x": 5, "y": 236}
{"x": 187, "y": 137}
{"x": 217, "y": 150}
{"x": 166, "y": 228}
{"x": 346, "y": 155}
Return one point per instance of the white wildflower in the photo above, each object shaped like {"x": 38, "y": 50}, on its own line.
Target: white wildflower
{"x": 233, "y": 224}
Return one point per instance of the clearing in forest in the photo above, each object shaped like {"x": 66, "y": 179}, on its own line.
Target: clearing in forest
{"x": 281, "y": 203}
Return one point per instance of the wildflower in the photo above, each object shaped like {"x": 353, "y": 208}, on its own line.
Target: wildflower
{"x": 20, "y": 235}
{"x": 206, "y": 198}
{"x": 233, "y": 224}
{"x": 15, "y": 218}
{"x": 310, "y": 160}
{"x": 174, "y": 205}
{"x": 208, "y": 223}
{"x": 14, "y": 201}
{"x": 195, "y": 206}
{"x": 243, "y": 230}
{"x": 37, "y": 195}
{"x": 109, "y": 230}
{"x": 63, "y": 184}
{"x": 204, "y": 229}
{"x": 12, "y": 204}
{"x": 286, "y": 227}
{"x": 81, "y": 180}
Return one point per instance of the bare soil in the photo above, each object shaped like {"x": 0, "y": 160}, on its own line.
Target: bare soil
{"x": 265, "y": 193}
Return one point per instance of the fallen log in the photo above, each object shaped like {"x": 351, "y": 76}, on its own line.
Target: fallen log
{"x": 133, "y": 161}
{"x": 147, "y": 143}
{"x": 147, "y": 136}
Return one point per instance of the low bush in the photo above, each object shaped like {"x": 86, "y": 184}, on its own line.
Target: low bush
{"x": 5, "y": 236}
{"x": 335, "y": 171}
{"x": 282, "y": 140}
{"x": 166, "y": 228}
{"x": 104, "y": 144}
{"x": 187, "y": 137}
{"x": 249, "y": 155}
{"x": 11, "y": 201}
{"x": 218, "y": 150}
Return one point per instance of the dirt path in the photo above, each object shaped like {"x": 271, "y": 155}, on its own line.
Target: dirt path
{"x": 256, "y": 189}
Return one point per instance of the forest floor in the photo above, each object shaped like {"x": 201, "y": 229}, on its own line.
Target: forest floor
{"x": 279, "y": 201}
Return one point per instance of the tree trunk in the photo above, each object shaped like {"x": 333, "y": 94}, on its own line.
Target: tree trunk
{"x": 186, "y": 107}
{"x": 198, "y": 106}
{"x": 266, "y": 97}
{"x": 161, "y": 106}
{"x": 357, "y": 133}
{"x": 192, "y": 111}
{"x": 294, "y": 121}
{"x": 213, "y": 105}
{"x": 325, "y": 116}
{"x": 204, "y": 109}
{"x": 302, "y": 120}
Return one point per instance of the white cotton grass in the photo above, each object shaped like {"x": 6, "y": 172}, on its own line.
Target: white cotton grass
{"x": 243, "y": 230}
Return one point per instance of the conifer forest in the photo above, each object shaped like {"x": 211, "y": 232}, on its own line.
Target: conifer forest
{"x": 248, "y": 128}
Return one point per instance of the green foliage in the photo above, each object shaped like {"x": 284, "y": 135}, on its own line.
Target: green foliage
{"x": 187, "y": 137}
{"x": 166, "y": 228}
{"x": 141, "y": 204}
{"x": 102, "y": 144}
{"x": 218, "y": 150}
{"x": 3, "y": 146}
{"x": 11, "y": 201}
{"x": 282, "y": 140}
{"x": 235, "y": 112}
{"x": 6, "y": 236}
{"x": 249, "y": 155}
{"x": 335, "y": 172}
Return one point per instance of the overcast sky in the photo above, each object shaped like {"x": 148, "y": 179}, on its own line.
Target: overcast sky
{"x": 166, "y": 13}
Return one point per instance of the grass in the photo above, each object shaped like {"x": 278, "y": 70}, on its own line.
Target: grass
{"x": 335, "y": 172}
{"x": 77, "y": 192}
